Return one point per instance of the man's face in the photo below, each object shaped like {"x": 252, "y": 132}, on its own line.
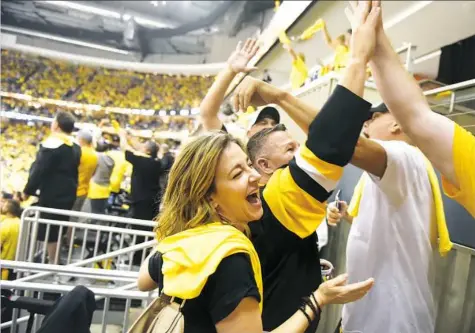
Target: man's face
{"x": 280, "y": 149}
{"x": 380, "y": 126}
{"x": 260, "y": 125}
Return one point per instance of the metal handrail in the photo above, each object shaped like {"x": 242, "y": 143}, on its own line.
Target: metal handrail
{"x": 67, "y": 270}
{"x": 101, "y": 257}
{"x": 97, "y": 217}
{"x": 50, "y": 288}
{"x": 452, "y": 87}
{"x": 94, "y": 227}
{"x": 36, "y": 210}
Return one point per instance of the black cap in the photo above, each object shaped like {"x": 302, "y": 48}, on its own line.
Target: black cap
{"x": 381, "y": 108}
{"x": 268, "y": 112}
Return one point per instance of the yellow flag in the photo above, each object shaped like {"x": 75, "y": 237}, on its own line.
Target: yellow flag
{"x": 283, "y": 38}
{"x": 310, "y": 31}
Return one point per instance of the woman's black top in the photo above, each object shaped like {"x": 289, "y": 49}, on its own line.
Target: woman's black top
{"x": 224, "y": 290}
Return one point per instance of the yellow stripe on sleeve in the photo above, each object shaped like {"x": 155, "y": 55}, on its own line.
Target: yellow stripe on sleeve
{"x": 294, "y": 208}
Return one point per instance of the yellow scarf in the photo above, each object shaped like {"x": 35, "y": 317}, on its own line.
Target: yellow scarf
{"x": 66, "y": 139}
{"x": 438, "y": 222}
{"x": 191, "y": 256}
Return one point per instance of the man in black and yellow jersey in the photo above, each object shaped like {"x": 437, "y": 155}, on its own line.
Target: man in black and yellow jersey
{"x": 294, "y": 197}
{"x": 449, "y": 147}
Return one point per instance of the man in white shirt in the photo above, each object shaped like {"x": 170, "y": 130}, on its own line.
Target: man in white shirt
{"x": 390, "y": 236}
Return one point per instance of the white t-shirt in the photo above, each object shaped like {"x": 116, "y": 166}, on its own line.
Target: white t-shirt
{"x": 390, "y": 241}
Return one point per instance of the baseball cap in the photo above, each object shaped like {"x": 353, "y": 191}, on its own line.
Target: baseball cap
{"x": 267, "y": 112}
{"x": 381, "y": 108}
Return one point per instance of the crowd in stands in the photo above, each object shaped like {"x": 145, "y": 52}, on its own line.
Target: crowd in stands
{"x": 19, "y": 142}
{"x": 40, "y": 77}
{"x": 137, "y": 122}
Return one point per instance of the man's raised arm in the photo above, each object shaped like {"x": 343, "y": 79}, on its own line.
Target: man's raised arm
{"x": 237, "y": 62}
{"x": 431, "y": 132}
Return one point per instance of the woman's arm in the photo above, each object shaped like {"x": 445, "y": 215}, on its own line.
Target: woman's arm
{"x": 246, "y": 317}
{"x": 145, "y": 281}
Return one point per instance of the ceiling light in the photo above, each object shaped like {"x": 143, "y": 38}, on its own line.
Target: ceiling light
{"x": 107, "y": 13}
{"x": 151, "y": 23}
{"x": 155, "y": 3}
{"x": 63, "y": 40}
{"x": 164, "y": 3}
{"x": 85, "y": 8}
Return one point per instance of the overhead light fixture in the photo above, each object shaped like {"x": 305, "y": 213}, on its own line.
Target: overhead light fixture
{"x": 164, "y": 2}
{"x": 85, "y": 8}
{"x": 152, "y": 23}
{"x": 63, "y": 40}
{"x": 155, "y": 3}
{"x": 107, "y": 13}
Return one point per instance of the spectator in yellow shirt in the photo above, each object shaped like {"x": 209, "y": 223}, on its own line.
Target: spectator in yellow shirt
{"x": 341, "y": 47}
{"x": 9, "y": 230}
{"x": 299, "y": 72}
{"x": 87, "y": 166}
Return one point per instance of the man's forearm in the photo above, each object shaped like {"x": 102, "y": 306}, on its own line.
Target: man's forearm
{"x": 398, "y": 89}
{"x": 354, "y": 77}
{"x": 211, "y": 104}
{"x": 430, "y": 132}
{"x": 300, "y": 112}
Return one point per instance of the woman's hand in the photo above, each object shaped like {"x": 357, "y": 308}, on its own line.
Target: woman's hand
{"x": 336, "y": 291}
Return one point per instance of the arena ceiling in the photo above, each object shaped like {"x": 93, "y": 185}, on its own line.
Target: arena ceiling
{"x": 147, "y": 27}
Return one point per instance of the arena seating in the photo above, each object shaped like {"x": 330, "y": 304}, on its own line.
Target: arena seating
{"x": 46, "y": 78}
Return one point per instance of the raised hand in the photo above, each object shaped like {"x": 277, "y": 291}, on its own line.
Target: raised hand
{"x": 239, "y": 59}
{"x": 336, "y": 291}
{"x": 364, "y": 17}
{"x": 254, "y": 92}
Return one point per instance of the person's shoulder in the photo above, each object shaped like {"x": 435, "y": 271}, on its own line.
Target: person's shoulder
{"x": 400, "y": 148}
{"x": 52, "y": 143}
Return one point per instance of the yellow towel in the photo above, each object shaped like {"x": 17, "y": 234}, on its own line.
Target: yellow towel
{"x": 439, "y": 222}
{"x": 445, "y": 245}
{"x": 191, "y": 256}
{"x": 310, "y": 31}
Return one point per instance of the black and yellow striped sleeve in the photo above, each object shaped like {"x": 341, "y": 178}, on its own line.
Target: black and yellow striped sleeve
{"x": 296, "y": 195}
